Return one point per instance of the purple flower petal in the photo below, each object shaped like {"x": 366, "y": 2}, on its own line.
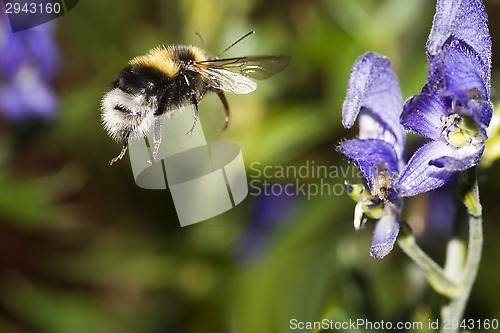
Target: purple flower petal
{"x": 465, "y": 20}
{"x": 418, "y": 176}
{"x": 27, "y": 95}
{"x": 14, "y": 47}
{"x": 373, "y": 86}
{"x": 384, "y": 236}
{"x": 372, "y": 127}
{"x": 423, "y": 113}
{"x": 35, "y": 47}
{"x": 481, "y": 111}
{"x": 463, "y": 158}
{"x": 368, "y": 152}
{"x": 458, "y": 71}
{"x": 43, "y": 50}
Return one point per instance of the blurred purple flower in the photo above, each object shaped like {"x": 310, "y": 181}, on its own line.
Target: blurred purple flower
{"x": 28, "y": 62}
{"x": 454, "y": 108}
{"x": 270, "y": 212}
{"x": 442, "y": 209}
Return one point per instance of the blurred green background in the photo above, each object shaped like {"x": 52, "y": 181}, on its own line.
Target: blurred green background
{"x": 83, "y": 249}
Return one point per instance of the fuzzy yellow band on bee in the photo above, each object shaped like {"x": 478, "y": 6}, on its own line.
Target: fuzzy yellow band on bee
{"x": 162, "y": 58}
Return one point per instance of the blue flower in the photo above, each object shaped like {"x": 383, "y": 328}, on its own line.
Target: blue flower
{"x": 28, "y": 62}
{"x": 454, "y": 108}
{"x": 374, "y": 97}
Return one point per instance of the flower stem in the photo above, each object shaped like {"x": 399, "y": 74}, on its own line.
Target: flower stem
{"x": 455, "y": 258}
{"x": 434, "y": 273}
{"x": 455, "y": 310}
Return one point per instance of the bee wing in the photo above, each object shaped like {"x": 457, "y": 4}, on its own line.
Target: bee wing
{"x": 225, "y": 80}
{"x": 235, "y": 74}
{"x": 255, "y": 67}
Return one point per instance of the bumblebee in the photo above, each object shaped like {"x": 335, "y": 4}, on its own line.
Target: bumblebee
{"x": 161, "y": 82}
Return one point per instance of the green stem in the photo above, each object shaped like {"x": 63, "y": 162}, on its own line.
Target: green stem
{"x": 454, "y": 281}
{"x": 455, "y": 258}
{"x": 456, "y": 308}
{"x": 434, "y": 273}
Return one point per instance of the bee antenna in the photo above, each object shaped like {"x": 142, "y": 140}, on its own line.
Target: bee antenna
{"x": 235, "y": 42}
{"x": 202, "y": 41}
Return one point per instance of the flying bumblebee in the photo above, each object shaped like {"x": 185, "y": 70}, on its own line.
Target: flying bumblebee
{"x": 169, "y": 77}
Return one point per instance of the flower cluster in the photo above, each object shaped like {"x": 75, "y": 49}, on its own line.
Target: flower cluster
{"x": 453, "y": 110}
{"x": 28, "y": 62}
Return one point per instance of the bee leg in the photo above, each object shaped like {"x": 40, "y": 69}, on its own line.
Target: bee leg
{"x": 223, "y": 99}
{"x": 120, "y": 156}
{"x": 195, "y": 115}
{"x": 124, "y": 139}
{"x": 156, "y": 139}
